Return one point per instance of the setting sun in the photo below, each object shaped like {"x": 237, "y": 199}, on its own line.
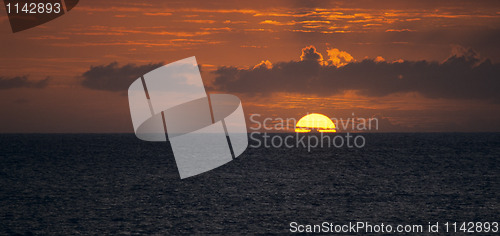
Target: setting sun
{"x": 315, "y": 122}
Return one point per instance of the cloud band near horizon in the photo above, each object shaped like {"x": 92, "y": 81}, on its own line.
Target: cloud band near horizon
{"x": 462, "y": 76}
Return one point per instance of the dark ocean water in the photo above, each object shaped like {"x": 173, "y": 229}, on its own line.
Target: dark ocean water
{"x": 115, "y": 184}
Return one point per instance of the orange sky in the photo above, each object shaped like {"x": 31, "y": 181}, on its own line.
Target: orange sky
{"x": 243, "y": 34}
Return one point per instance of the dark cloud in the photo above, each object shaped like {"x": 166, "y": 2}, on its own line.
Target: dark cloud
{"x": 462, "y": 76}
{"x": 22, "y": 82}
{"x": 113, "y": 77}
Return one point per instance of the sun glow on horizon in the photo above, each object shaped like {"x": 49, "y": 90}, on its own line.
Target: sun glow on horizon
{"x": 315, "y": 121}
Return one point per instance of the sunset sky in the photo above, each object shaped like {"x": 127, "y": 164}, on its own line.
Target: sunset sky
{"x": 419, "y": 66}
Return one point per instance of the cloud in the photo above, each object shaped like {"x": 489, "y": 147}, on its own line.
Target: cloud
{"x": 22, "y": 82}
{"x": 112, "y": 77}
{"x": 379, "y": 59}
{"x": 200, "y": 21}
{"x": 157, "y": 13}
{"x": 309, "y": 53}
{"x": 336, "y": 57}
{"x": 464, "y": 75}
{"x": 265, "y": 64}
{"x": 273, "y": 22}
{"x": 339, "y": 58}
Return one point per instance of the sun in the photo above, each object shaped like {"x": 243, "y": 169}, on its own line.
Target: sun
{"x": 315, "y": 122}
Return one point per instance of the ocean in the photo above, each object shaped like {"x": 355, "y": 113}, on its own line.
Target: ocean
{"x": 115, "y": 184}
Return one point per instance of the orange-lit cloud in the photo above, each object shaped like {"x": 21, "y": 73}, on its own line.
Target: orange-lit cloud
{"x": 264, "y": 64}
{"x": 157, "y": 13}
{"x": 200, "y": 21}
{"x": 273, "y": 22}
{"x": 379, "y": 59}
{"x": 310, "y": 53}
{"x": 339, "y": 58}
